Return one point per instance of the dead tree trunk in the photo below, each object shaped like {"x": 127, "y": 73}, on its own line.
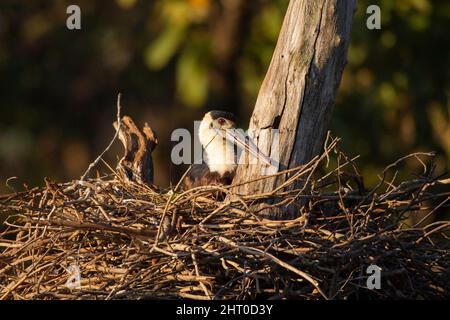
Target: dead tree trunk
{"x": 136, "y": 165}
{"x": 300, "y": 86}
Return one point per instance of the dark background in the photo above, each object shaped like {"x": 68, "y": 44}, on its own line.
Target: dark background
{"x": 175, "y": 59}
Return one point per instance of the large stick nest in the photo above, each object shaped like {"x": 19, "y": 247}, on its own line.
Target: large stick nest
{"x": 130, "y": 241}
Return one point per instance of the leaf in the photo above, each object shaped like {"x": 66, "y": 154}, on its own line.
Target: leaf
{"x": 192, "y": 78}
{"x": 160, "y": 51}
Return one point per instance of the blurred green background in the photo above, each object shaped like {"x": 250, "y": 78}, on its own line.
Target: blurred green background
{"x": 175, "y": 59}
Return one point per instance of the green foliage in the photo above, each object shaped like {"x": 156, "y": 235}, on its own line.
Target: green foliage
{"x": 159, "y": 52}
{"x": 192, "y": 77}
{"x": 58, "y": 87}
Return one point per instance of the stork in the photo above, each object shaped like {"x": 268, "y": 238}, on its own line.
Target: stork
{"x": 219, "y": 138}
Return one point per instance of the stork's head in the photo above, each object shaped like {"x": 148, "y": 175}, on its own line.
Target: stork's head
{"x": 218, "y": 127}
{"x": 213, "y": 124}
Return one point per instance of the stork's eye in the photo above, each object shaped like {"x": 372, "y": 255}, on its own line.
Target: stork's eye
{"x": 221, "y": 121}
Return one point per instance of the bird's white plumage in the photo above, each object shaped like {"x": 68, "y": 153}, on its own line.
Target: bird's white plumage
{"x": 220, "y": 155}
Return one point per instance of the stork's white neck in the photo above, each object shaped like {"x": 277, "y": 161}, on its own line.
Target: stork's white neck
{"x": 220, "y": 155}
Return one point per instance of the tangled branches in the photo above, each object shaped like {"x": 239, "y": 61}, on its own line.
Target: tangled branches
{"x": 129, "y": 241}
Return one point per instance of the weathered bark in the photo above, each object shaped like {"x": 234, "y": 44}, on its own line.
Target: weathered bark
{"x": 300, "y": 86}
{"x": 136, "y": 164}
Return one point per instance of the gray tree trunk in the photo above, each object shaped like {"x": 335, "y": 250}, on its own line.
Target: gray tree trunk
{"x": 300, "y": 86}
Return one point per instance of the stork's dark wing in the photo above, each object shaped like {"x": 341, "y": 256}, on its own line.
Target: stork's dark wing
{"x": 200, "y": 175}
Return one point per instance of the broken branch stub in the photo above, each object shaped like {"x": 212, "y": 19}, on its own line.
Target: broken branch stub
{"x": 137, "y": 164}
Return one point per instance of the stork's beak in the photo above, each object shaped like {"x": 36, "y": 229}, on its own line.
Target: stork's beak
{"x": 235, "y": 137}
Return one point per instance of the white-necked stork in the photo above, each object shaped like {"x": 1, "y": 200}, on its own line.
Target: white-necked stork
{"x": 220, "y": 141}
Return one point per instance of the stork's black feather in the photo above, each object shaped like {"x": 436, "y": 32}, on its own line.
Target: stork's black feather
{"x": 216, "y": 114}
{"x": 200, "y": 175}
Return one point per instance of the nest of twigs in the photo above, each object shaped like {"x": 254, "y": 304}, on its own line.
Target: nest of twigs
{"x": 130, "y": 241}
